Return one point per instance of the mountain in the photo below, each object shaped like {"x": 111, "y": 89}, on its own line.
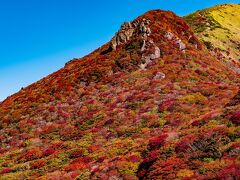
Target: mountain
{"x": 218, "y": 27}
{"x": 152, "y": 103}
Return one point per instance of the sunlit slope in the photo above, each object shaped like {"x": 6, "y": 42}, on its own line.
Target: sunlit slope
{"x": 219, "y": 28}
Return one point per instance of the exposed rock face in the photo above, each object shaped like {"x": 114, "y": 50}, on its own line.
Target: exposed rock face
{"x": 176, "y": 40}
{"x": 123, "y": 35}
{"x": 141, "y": 29}
{"x": 147, "y": 58}
{"x": 128, "y": 29}
{"x": 169, "y": 36}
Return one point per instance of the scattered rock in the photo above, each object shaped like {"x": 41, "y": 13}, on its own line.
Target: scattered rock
{"x": 159, "y": 75}
{"x": 180, "y": 44}
{"x": 169, "y": 36}
{"x": 177, "y": 41}
{"x": 115, "y": 178}
{"x": 143, "y": 46}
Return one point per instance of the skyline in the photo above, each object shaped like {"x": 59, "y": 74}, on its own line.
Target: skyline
{"x": 38, "y": 38}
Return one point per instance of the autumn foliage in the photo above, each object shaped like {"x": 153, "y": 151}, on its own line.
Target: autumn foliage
{"x": 103, "y": 117}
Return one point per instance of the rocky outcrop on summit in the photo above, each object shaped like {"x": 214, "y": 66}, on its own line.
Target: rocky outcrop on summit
{"x": 128, "y": 29}
{"x": 147, "y": 37}
{"x": 141, "y": 29}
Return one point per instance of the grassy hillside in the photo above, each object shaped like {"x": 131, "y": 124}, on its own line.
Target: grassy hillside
{"x": 219, "y": 28}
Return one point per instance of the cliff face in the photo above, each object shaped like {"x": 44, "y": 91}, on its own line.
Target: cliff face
{"x": 151, "y": 103}
{"x": 219, "y": 27}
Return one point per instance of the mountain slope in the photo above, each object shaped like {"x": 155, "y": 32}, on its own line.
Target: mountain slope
{"x": 219, "y": 27}
{"x": 151, "y": 103}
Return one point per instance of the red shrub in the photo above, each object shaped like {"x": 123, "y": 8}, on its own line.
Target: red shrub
{"x": 95, "y": 129}
{"x": 2, "y": 150}
{"x": 235, "y": 119}
{"x": 147, "y": 163}
{"x": 199, "y": 72}
{"x": 183, "y": 144}
{"x": 32, "y": 154}
{"x": 37, "y": 164}
{"x": 196, "y": 123}
{"x": 48, "y": 152}
{"x": 69, "y": 132}
{"x": 57, "y": 145}
{"x": 141, "y": 173}
{"x": 76, "y": 166}
{"x": 49, "y": 128}
{"x": 77, "y": 153}
{"x": 134, "y": 158}
{"x": 6, "y": 170}
{"x": 158, "y": 141}
{"x": 51, "y": 108}
{"x": 101, "y": 159}
{"x": 152, "y": 156}
{"x": 93, "y": 148}
{"x": 166, "y": 105}
{"x": 208, "y": 116}
{"x": 166, "y": 169}
{"x": 84, "y": 160}
{"x": 232, "y": 171}
{"x": 74, "y": 175}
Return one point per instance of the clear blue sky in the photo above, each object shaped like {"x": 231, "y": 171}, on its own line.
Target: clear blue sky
{"x": 37, "y": 37}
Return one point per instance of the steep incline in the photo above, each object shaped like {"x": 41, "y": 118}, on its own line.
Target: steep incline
{"x": 151, "y": 103}
{"x": 219, "y": 28}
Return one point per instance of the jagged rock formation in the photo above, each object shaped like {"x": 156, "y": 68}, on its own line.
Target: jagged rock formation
{"x": 147, "y": 58}
{"x": 141, "y": 29}
{"x": 128, "y": 29}
{"x": 171, "y": 37}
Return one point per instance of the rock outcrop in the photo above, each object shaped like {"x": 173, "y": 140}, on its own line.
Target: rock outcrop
{"x": 159, "y": 75}
{"x": 177, "y": 41}
{"x": 140, "y": 28}
{"x": 128, "y": 29}
{"x": 148, "y": 57}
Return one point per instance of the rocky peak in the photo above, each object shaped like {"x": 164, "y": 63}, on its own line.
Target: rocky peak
{"x": 128, "y": 29}
{"x": 154, "y": 33}
{"x": 139, "y": 28}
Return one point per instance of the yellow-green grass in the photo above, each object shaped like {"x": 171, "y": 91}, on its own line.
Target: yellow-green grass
{"x": 219, "y": 27}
